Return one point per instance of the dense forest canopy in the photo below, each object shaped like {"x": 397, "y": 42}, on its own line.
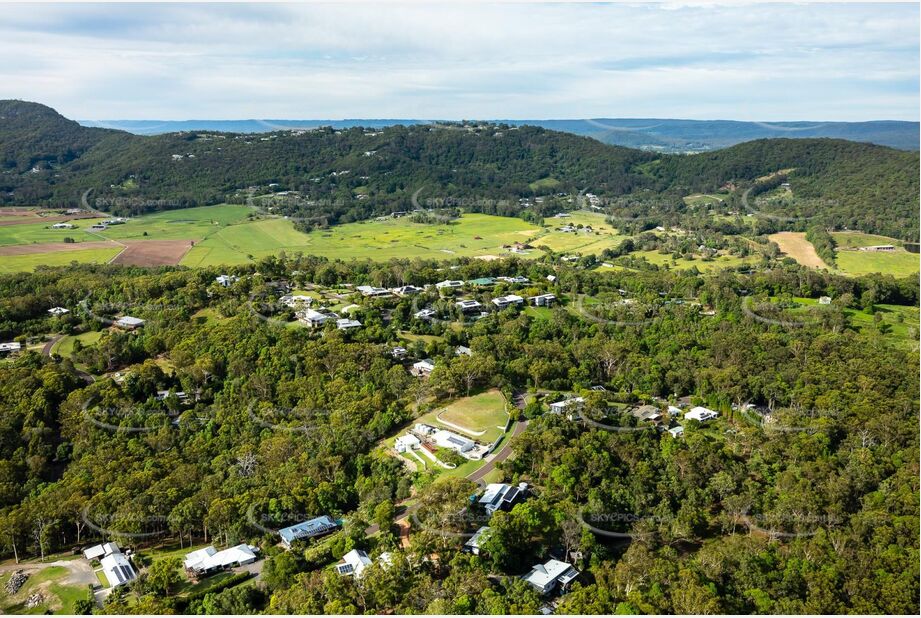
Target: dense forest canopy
{"x": 733, "y": 518}
{"x": 355, "y": 173}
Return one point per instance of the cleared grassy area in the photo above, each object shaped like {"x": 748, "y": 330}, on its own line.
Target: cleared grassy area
{"x": 716, "y": 263}
{"x": 65, "y": 345}
{"x": 544, "y": 183}
{"x": 899, "y": 263}
{"x": 850, "y": 240}
{"x": 795, "y": 245}
{"x": 602, "y": 236}
{"x": 58, "y": 598}
{"x": 699, "y": 199}
{"x": 899, "y": 323}
{"x": 28, "y": 263}
{"x": 479, "y": 413}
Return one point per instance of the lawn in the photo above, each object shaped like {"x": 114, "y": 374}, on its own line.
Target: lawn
{"x": 704, "y": 199}
{"x": 59, "y": 598}
{"x": 851, "y": 240}
{"x": 480, "y": 413}
{"x": 603, "y": 235}
{"x": 65, "y": 345}
{"x": 899, "y": 263}
{"x": 29, "y": 262}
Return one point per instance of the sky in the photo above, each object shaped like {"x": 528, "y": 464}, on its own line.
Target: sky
{"x": 443, "y": 60}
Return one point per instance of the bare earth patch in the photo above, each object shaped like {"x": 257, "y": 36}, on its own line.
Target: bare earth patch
{"x": 488, "y": 258}
{"x": 153, "y": 252}
{"x": 53, "y": 247}
{"x": 795, "y": 245}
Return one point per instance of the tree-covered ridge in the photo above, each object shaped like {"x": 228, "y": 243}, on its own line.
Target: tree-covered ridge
{"x": 356, "y": 173}
{"x": 842, "y": 488}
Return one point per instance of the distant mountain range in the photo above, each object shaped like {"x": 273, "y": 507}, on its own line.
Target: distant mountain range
{"x": 662, "y": 135}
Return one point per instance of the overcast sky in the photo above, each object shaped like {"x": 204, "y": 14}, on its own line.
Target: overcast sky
{"x": 452, "y": 61}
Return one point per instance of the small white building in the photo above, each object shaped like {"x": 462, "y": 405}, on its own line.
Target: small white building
{"x": 701, "y": 414}
{"x": 507, "y": 301}
{"x": 676, "y": 432}
{"x": 58, "y": 311}
{"x": 209, "y": 559}
{"x": 542, "y": 300}
{"x": 353, "y": 563}
{"x": 449, "y": 284}
{"x": 407, "y": 442}
{"x": 129, "y": 322}
{"x": 96, "y": 552}
{"x": 467, "y": 305}
{"x": 451, "y": 440}
{"x": 825, "y": 300}
{"x": 473, "y": 543}
{"x": 570, "y": 407}
{"x": 371, "y": 291}
{"x": 424, "y": 430}
{"x": 425, "y": 314}
{"x": 399, "y": 352}
{"x": 226, "y": 280}
{"x": 423, "y": 368}
{"x": 546, "y": 577}
{"x": 63, "y": 226}
{"x": 12, "y": 346}
{"x": 347, "y": 324}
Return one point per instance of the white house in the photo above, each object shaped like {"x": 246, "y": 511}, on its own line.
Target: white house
{"x": 314, "y": 318}
{"x": 425, "y": 314}
{"x": 449, "y": 439}
{"x": 543, "y": 300}
{"x": 225, "y": 280}
{"x": 209, "y": 559}
{"x": 318, "y": 526}
{"x": 501, "y": 496}
{"x": 449, "y": 284}
{"x": 406, "y": 290}
{"x": 399, "y": 352}
{"x": 63, "y": 226}
{"x": 699, "y": 413}
{"x": 117, "y": 569}
{"x": 58, "y": 311}
{"x": 506, "y": 301}
{"x": 825, "y": 300}
{"x": 129, "y": 322}
{"x": 551, "y": 278}
{"x": 473, "y": 543}
{"x": 467, "y": 305}
{"x": 423, "y": 368}
{"x": 676, "y": 432}
{"x": 423, "y": 429}
{"x": 515, "y": 279}
{"x": 97, "y": 552}
{"x": 407, "y": 442}
{"x": 295, "y": 300}
{"x": 353, "y": 563}
{"x": 347, "y": 324}
{"x": 368, "y": 290}
{"x": 546, "y": 577}
{"x": 463, "y": 350}
{"x": 12, "y": 346}
{"x": 571, "y": 407}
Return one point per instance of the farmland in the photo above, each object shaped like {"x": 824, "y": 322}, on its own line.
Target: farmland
{"x": 795, "y": 245}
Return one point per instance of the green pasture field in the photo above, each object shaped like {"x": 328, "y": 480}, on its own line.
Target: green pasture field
{"x": 722, "y": 261}
{"x": 58, "y": 598}
{"x": 851, "y": 240}
{"x": 898, "y": 263}
{"x": 29, "y": 262}
{"x": 484, "y": 412}
{"x": 65, "y": 345}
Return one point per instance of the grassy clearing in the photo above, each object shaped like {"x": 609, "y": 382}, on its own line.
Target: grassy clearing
{"x": 480, "y": 413}
{"x": 28, "y": 263}
{"x": 899, "y": 263}
{"x": 65, "y": 345}
{"x": 602, "y": 236}
{"x": 795, "y": 245}
{"x": 716, "y": 263}
{"x": 899, "y": 323}
{"x": 702, "y": 199}
{"x": 851, "y": 240}
{"x": 58, "y": 598}
{"x": 544, "y": 183}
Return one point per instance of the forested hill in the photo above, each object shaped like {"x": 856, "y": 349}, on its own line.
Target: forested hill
{"x": 355, "y": 173}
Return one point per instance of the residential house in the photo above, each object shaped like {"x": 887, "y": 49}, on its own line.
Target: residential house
{"x": 551, "y": 278}
{"x": 226, "y": 280}
{"x": 425, "y": 314}
{"x": 407, "y": 290}
{"x": 502, "y": 496}
{"x": 473, "y": 543}
{"x": 481, "y": 281}
{"x": 878, "y": 248}
{"x": 318, "y": 526}
{"x": 449, "y": 284}
{"x": 129, "y": 322}
{"x": 347, "y": 324}
{"x": 99, "y": 227}
{"x": 545, "y": 578}
{"x": 295, "y": 300}
{"x": 12, "y": 346}
{"x": 543, "y": 300}
{"x": 209, "y": 559}
{"x": 516, "y": 279}
{"x": 314, "y": 318}
{"x": 676, "y": 432}
{"x": 117, "y": 569}
{"x": 451, "y": 440}
{"x": 463, "y": 350}
{"x": 571, "y": 407}
{"x": 825, "y": 300}
{"x": 96, "y": 552}
{"x": 353, "y": 563}
{"x": 507, "y": 301}
{"x": 467, "y": 305}
{"x": 701, "y": 414}
{"x": 407, "y": 442}
{"x": 371, "y": 291}
{"x": 647, "y": 413}
{"x": 424, "y": 430}
{"x": 63, "y": 226}
{"x": 399, "y": 352}
{"x": 423, "y": 368}
{"x": 58, "y": 311}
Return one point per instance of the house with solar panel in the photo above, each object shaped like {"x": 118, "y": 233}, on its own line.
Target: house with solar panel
{"x": 502, "y": 496}
{"x": 316, "y": 527}
{"x": 117, "y": 569}
{"x": 353, "y": 563}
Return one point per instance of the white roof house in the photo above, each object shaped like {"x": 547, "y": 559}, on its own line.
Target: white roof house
{"x": 506, "y": 301}
{"x": 117, "y": 569}
{"x": 449, "y": 284}
{"x": 99, "y": 551}
{"x": 129, "y": 322}
{"x": 347, "y": 324}
{"x": 407, "y": 290}
{"x": 209, "y": 559}
{"x": 58, "y": 311}
{"x": 370, "y": 290}
{"x": 501, "y": 496}
{"x": 545, "y": 577}
{"x": 423, "y": 368}
{"x": 353, "y": 563}
{"x": 825, "y": 300}
{"x": 63, "y": 226}
{"x": 294, "y": 300}
{"x": 407, "y": 442}
{"x": 473, "y": 543}
{"x": 398, "y": 352}
{"x": 699, "y": 413}
{"x": 425, "y": 430}
{"x": 449, "y": 439}
{"x": 425, "y": 314}
{"x": 676, "y": 432}
{"x": 317, "y": 526}
{"x": 542, "y": 300}
{"x": 225, "y": 280}
{"x": 314, "y": 318}
{"x": 570, "y": 407}
{"x": 12, "y": 346}
{"x": 551, "y": 278}
{"x": 467, "y": 305}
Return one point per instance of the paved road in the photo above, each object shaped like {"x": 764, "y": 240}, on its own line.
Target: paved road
{"x": 47, "y": 349}
{"x": 475, "y": 476}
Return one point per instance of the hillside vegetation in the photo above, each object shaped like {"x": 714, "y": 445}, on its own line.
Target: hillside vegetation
{"x": 352, "y": 174}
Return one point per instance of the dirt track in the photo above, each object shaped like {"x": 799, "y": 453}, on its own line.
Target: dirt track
{"x": 795, "y": 245}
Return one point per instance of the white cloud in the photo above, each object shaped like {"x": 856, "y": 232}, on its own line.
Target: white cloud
{"x": 766, "y": 62}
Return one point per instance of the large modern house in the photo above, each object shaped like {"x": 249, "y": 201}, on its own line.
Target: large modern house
{"x": 546, "y": 577}
{"x": 318, "y": 526}
{"x": 209, "y": 559}
{"x": 701, "y": 414}
{"x": 501, "y": 496}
